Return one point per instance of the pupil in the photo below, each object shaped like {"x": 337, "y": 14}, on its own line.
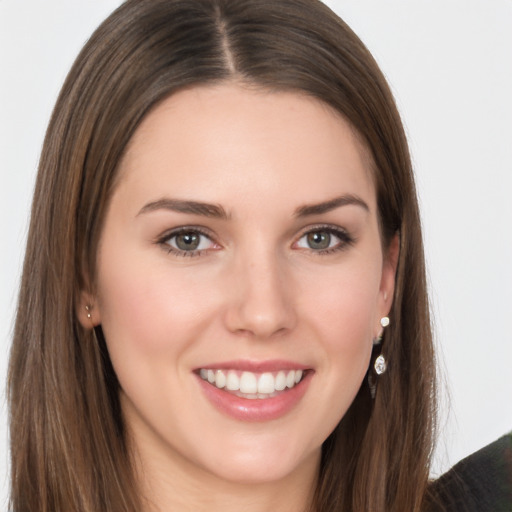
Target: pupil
{"x": 319, "y": 240}
{"x": 187, "y": 241}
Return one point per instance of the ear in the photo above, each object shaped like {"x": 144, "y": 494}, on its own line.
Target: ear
{"x": 88, "y": 311}
{"x": 387, "y": 284}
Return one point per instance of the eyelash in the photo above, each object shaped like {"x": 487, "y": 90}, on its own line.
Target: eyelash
{"x": 345, "y": 238}
{"x": 169, "y": 235}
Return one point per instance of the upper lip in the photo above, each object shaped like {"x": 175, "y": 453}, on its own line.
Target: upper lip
{"x": 269, "y": 365}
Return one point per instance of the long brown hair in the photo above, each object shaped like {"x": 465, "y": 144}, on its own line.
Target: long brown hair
{"x": 68, "y": 444}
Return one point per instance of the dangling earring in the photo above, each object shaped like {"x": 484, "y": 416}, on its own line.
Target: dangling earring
{"x": 380, "y": 365}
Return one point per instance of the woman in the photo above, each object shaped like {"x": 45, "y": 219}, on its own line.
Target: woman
{"x": 223, "y": 227}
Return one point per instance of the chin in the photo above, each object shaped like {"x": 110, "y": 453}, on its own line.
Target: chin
{"x": 262, "y": 466}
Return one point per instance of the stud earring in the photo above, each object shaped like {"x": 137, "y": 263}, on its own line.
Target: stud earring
{"x": 384, "y": 321}
{"x": 88, "y": 309}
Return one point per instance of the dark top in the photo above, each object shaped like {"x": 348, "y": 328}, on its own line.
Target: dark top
{"x": 481, "y": 482}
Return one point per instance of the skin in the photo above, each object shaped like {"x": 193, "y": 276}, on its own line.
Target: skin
{"x": 256, "y": 291}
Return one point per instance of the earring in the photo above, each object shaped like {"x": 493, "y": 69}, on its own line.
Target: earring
{"x": 88, "y": 309}
{"x": 380, "y": 364}
{"x": 384, "y": 321}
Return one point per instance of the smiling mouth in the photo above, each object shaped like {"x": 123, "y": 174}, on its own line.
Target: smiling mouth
{"x": 245, "y": 384}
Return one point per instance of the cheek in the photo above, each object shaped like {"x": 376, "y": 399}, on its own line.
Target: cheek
{"x": 345, "y": 305}
{"x": 338, "y": 307}
{"x": 348, "y": 336}
{"x": 145, "y": 308}
{"x": 151, "y": 316}
{"x": 343, "y": 315}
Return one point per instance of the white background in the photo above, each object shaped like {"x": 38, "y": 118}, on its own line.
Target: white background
{"x": 449, "y": 63}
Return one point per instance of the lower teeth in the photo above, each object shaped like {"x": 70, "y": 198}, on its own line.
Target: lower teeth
{"x": 254, "y": 396}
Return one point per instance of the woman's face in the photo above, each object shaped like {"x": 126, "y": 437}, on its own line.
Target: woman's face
{"x": 241, "y": 281}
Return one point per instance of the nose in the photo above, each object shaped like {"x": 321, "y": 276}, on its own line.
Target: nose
{"x": 261, "y": 298}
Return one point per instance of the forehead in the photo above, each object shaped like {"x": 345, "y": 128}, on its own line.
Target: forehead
{"x": 225, "y": 139}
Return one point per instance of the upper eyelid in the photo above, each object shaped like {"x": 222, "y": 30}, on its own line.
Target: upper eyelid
{"x": 326, "y": 227}
{"x": 164, "y": 241}
{"x": 345, "y": 236}
{"x": 207, "y": 232}
{"x": 169, "y": 233}
{"x": 333, "y": 228}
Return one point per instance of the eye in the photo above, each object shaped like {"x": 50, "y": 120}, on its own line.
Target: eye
{"x": 325, "y": 240}
{"x": 187, "y": 242}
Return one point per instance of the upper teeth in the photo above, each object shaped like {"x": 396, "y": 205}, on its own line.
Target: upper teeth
{"x": 252, "y": 383}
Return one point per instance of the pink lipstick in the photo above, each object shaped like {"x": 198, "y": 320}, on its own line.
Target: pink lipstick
{"x": 254, "y": 391}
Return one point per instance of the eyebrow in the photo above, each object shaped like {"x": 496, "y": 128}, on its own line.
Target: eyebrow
{"x": 217, "y": 211}
{"x": 331, "y": 204}
{"x": 182, "y": 206}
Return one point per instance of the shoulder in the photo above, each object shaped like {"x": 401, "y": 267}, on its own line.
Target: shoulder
{"x": 481, "y": 482}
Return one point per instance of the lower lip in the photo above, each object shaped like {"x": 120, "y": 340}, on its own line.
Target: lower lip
{"x": 259, "y": 409}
